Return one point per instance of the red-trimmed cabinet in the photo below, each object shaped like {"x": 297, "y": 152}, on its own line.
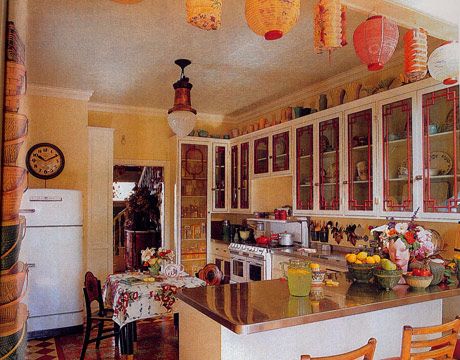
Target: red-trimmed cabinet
{"x": 272, "y": 154}
{"x": 239, "y": 177}
{"x": 219, "y": 178}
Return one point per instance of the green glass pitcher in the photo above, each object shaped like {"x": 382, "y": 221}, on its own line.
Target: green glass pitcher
{"x": 298, "y": 275}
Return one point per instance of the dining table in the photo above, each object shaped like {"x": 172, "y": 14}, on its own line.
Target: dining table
{"x": 135, "y": 295}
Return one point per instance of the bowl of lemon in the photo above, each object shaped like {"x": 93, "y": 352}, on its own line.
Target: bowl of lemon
{"x": 361, "y": 266}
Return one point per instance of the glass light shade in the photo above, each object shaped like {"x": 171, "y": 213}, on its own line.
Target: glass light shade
{"x": 443, "y": 63}
{"x": 181, "y": 122}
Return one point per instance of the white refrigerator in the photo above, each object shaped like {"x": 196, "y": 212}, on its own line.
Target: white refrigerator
{"x": 53, "y": 249}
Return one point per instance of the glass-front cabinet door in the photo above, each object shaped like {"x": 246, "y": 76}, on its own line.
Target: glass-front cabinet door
{"x": 304, "y": 168}
{"x": 441, "y": 151}
{"x": 360, "y": 162}
{"x": 244, "y": 175}
{"x": 329, "y": 164}
{"x": 193, "y": 206}
{"x": 280, "y": 152}
{"x": 234, "y": 198}
{"x": 218, "y": 189}
{"x": 397, "y": 155}
{"x": 261, "y": 159}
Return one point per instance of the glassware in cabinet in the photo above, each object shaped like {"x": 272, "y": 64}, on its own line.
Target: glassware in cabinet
{"x": 280, "y": 158}
{"x": 261, "y": 160}
{"x": 441, "y": 151}
{"x": 304, "y": 167}
{"x": 397, "y": 156}
{"x": 360, "y": 153}
{"x": 234, "y": 178}
{"x": 193, "y": 201}
{"x": 244, "y": 176}
{"x": 329, "y": 165}
{"x": 219, "y": 177}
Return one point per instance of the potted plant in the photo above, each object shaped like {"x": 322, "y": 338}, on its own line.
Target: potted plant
{"x": 142, "y": 225}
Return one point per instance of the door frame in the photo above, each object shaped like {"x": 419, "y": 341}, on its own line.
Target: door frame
{"x": 167, "y": 188}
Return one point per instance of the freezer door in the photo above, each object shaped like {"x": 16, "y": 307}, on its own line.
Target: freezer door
{"x": 52, "y": 207}
{"x": 56, "y": 270}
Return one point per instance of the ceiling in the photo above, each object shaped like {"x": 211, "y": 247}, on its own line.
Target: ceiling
{"x": 126, "y": 53}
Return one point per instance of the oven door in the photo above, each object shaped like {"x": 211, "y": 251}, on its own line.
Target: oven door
{"x": 238, "y": 269}
{"x": 256, "y": 270}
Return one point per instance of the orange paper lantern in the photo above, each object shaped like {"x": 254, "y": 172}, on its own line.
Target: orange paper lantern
{"x": 375, "y": 41}
{"x": 415, "y": 54}
{"x": 204, "y": 14}
{"x": 330, "y": 23}
{"x": 272, "y": 18}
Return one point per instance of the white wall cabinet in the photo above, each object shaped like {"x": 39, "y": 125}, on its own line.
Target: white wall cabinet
{"x": 240, "y": 189}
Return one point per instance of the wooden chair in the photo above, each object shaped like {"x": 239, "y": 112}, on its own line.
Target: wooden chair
{"x": 441, "y": 347}
{"x": 212, "y": 275}
{"x": 92, "y": 291}
{"x": 366, "y": 351}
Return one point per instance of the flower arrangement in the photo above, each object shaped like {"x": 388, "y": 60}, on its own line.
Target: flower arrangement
{"x": 155, "y": 258}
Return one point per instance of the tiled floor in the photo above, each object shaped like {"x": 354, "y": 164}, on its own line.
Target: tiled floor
{"x": 156, "y": 341}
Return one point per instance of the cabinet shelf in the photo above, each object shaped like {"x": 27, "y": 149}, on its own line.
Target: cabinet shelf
{"x": 398, "y": 141}
{"x": 193, "y": 218}
{"x": 360, "y": 181}
{"x": 361, "y": 147}
{"x": 305, "y": 157}
{"x": 327, "y": 153}
{"x": 443, "y": 134}
{"x": 280, "y": 155}
{"x": 262, "y": 159}
{"x": 195, "y": 160}
{"x": 443, "y": 177}
{"x": 305, "y": 185}
{"x": 193, "y": 196}
{"x": 191, "y": 179}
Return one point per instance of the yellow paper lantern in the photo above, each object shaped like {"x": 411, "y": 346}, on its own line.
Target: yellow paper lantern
{"x": 127, "y": 1}
{"x": 330, "y": 25}
{"x": 204, "y": 14}
{"x": 272, "y": 18}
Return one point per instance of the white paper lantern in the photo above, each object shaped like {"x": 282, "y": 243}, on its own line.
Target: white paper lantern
{"x": 443, "y": 63}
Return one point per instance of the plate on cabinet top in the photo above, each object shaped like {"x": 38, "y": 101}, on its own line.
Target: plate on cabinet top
{"x": 441, "y": 161}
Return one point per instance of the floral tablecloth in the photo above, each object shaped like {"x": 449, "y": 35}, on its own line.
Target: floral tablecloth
{"x": 132, "y": 299}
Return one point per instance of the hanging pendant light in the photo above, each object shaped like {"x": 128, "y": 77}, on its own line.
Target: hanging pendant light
{"x": 375, "y": 41}
{"x": 182, "y": 117}
{"x": 443, "y": 63}
{"x": 204, "y": 14}
{"x": 415, "y": 54}
{"x": 272, "y": 18}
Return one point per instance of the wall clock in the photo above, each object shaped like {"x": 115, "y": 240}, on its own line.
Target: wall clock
{"x": 45, "y": 161}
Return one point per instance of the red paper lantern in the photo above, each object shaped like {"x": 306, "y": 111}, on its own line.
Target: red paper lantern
{"x": 375, "y": 41}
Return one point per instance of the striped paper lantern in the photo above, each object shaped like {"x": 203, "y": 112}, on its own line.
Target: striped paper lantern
{"x": 415, "y": 54}
{"x": 204, "y": 14}
{"x": 272, "y": 18}
{"x": 443, "y": 63}
{"x": 375, "y": 41}
{"x": 330, "y": 25}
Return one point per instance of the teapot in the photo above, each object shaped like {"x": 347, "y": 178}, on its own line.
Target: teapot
{"x": 298, "y": 274}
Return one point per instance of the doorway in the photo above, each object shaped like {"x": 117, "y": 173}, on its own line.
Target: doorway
{"x": 125, "y": 179}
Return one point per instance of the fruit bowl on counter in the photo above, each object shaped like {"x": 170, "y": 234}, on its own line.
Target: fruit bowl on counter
{"x": 361, "y": 273}
{"x": 387, "y": 279}
{"x": 417, "y": 282}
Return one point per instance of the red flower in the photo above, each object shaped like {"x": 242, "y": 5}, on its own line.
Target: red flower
{"x": 410, "y": 237}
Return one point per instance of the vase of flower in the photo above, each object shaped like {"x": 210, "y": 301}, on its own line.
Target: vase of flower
{"x": 155, "y": 268}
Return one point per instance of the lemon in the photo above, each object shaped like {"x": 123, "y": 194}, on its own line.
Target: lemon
{"x": 361, "y": 255}
{"x": 358, "y": 262}
{"x": 376, "y": 258}
{"x": 351, "y": 258}
{"x": 370, "y": 260}
{"x": 457, "y": 256}
{"x": 314, "y": 266}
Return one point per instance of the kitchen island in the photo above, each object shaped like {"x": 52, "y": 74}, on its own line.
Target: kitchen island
{"x": 260, "y": 320}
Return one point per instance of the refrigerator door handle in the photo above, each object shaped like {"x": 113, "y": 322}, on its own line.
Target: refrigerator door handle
{"x": 31, "y": 265}
{"x": 26, "y": 211}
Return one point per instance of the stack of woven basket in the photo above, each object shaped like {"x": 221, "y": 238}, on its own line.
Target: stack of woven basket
{"x": 13, "y": 273}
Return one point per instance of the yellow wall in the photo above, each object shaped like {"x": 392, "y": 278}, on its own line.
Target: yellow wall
{"x": 62, "y": 122}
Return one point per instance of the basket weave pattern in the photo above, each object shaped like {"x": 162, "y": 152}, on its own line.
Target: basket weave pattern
{"x": 16, "y": 50}
{"x": 16, "y": 79}
{"x": 12, "y": 283}
{"x": 13, "y": 336}
{"x": 264, "y": 16}
{"x": 15, "y": 126}
{"x": 14, "y": 184}
{"x": 11, "y": 150}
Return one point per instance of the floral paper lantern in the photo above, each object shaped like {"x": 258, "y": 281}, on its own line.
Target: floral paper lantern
{"x": 272, "y": 18}
{"x": 204, "y": 14}
{"x": 330, "y": 24}
{"x": 127, "y": 1}
{"x": 375, "y": 41}
{"x": 415, "y": 54}
{"x": 443, "y": 63}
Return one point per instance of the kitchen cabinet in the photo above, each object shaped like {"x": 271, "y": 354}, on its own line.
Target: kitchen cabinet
{"x": 220, "y": 256}
{"x": 272, "y": 154}
{"x": 304, "y": 165}
{"x": 440, "y": 173}
{"x": 219, "y": 178}
{"x": 193, "y": 205}
{"x": 239, "y": 177}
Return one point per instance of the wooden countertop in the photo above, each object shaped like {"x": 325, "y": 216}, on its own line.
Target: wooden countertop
{"x": 266, "y": 305}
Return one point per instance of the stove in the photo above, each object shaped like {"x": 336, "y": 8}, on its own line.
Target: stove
{"x": 250, "y": 262}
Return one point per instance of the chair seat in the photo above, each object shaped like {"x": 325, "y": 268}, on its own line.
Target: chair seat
{"x": 106, "y": 317}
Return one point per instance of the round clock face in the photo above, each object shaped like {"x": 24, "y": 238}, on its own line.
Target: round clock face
{"x": 45, "y": 161}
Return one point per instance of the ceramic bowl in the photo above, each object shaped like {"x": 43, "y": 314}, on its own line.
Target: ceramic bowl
{"x": 317, "y": 277}
{"x": 361, "y": 273}
{"x": 418, "y": 282}
{"x": 388, "y": 281}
